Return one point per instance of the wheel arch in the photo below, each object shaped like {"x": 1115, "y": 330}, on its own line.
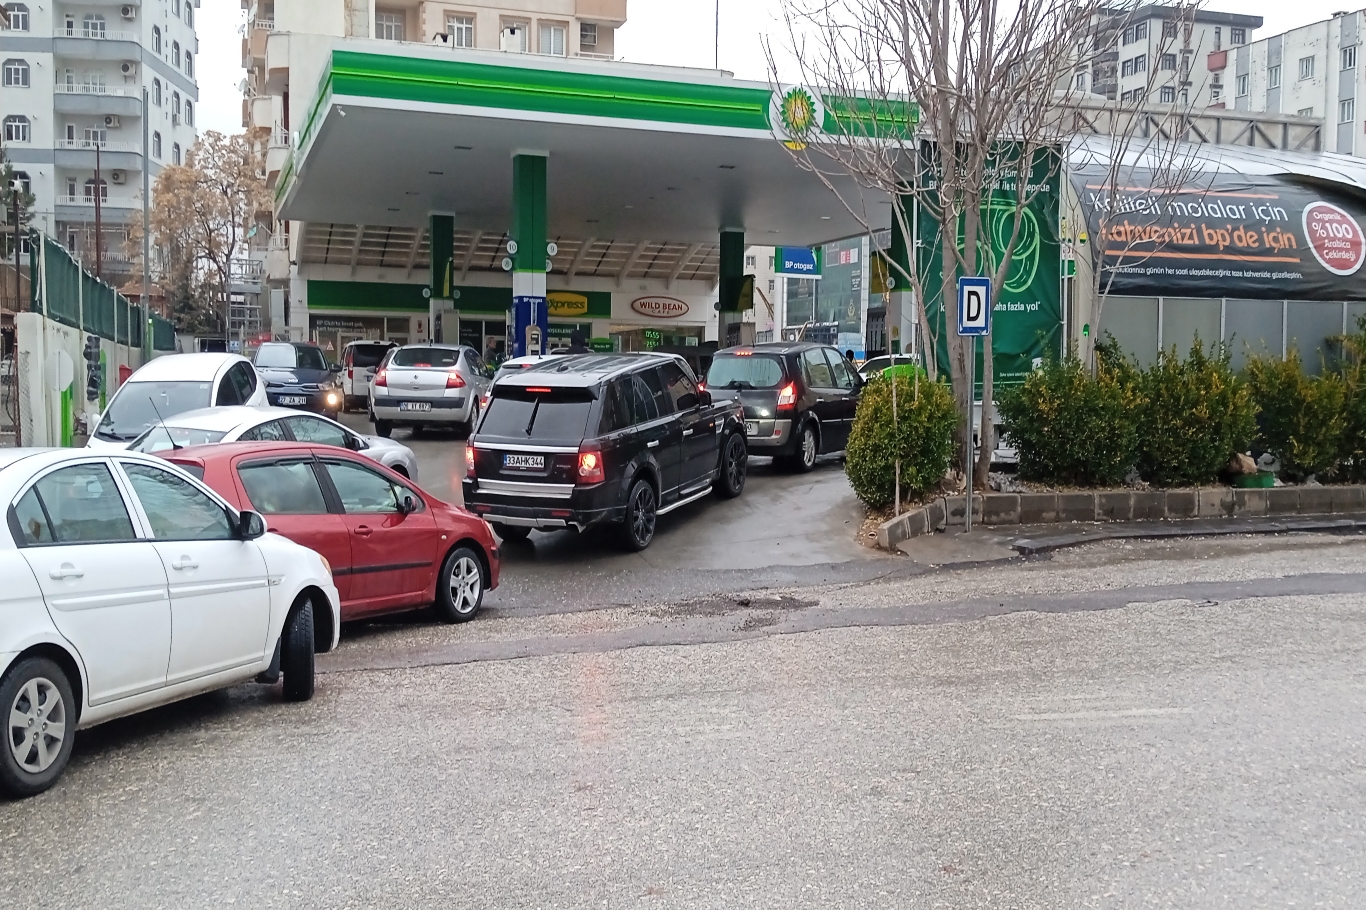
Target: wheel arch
{"x": 64, "y": 659}
{"x": 322, "y": 619}
{"x": 479, "y": 551}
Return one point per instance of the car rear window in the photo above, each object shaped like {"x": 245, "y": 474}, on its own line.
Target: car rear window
{"x": 425, "y": 357}
{"x": 561, "y": 414}
{"x": 736, "y": 371}
{"x": 368, "y": 355}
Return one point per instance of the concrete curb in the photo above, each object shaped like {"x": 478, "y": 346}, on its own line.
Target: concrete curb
{"x": 1166, "y": 530}
{"x": 1003, "y": 509}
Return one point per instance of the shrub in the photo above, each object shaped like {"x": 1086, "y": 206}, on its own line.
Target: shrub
{"x": 921, "y": 436}
{"x": 1302, "y": 419}
{"x": 1352, "y": 451}
{"x": 1069, "y": 427}
{"x": 1193, "y": 415}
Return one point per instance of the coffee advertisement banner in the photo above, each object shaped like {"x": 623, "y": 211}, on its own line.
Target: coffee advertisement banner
{"x": 1271, "y": 237}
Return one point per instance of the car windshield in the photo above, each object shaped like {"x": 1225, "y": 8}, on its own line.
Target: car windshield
{"x": 290, "y": 357}
{"x": 162, "y": 438}
{"x": 426, "y": 357}
{"x": 522, "y": 414}
{"x": 737, "y": 371}
{"x": 139, "y": 405}
{"x": 877, "y": 363}
{"x": 368, "y": 355}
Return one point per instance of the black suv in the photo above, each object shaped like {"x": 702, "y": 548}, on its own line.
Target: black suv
{"x": 580, "y": 440}
{"x": 799, "y": 398}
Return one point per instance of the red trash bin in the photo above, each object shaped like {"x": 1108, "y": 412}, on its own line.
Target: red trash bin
{"x": 124, "y": 372}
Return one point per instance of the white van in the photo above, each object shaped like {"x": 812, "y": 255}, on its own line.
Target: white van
{"x": 359, "y": 361}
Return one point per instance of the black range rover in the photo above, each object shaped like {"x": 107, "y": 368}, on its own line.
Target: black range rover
{"x": 577, "y": 441}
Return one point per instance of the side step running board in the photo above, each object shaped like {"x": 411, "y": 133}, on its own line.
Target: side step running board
{"x": 683, "y": 502}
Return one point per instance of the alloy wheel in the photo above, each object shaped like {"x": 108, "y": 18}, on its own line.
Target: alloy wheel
{"x": 735, "y": 463}
{"x": 466, "y": 582}
{"x": 808, "y": 446}
{"x": 643, "y": 515}
{"x": 37, "y": 725}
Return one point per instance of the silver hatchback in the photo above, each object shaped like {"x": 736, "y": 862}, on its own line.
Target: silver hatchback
{"x": 428, "y": 385}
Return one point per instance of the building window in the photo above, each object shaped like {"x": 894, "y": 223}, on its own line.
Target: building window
{"x": 93, "y": 83}
{"x": 18, "y": 17}
{"x": 1169, "y": 29}
{"x": 772, "y": 285}
{"x": 461, "y": 29}
{"x": 1305, "y": 112}
{"x": 189, "y": 15}
{"x": 156, "y": 145}
{"x": 1135, "y": 66}
{"x": 389, "y": 26}
{"x": 1218, "y": 38}
{"x": 175, "y": 107}
{"x": 175, "y": 54}
{"x": 92, "y": 25}
{"x": 189, "y": 112}
{"x": 1168, "y": 62}
{"x": 90, "y": 190}
{"x": 1347, "y": 110}
{"x": 1273, "y": 76}
{"x": 1168, "y": 94}
{"x": 189, "y": 64}
{"x": 1242, "y": 85}
{"x": 1306, "y": 68}
{"x": 16, "y": 74}
{"x": 175, "y": 8}
{"x": 1216, "y": 92}
{"x": 156, "y": 92}
{"x": 1349, "y": 58}
{"x": 1138, "y": 32}
{"x": 552, "y": 40}
{"x": 1081, "y": 81}
{"x": 514, "y": 38}
{"x": 751, "y": 262}
{"x": 16, "y": 128}
{"x": 588, "y": 35}
{"x": 96, "y": 137}
{"x": 175, "y": 153}
{"x": 1237, "y": 36}
{"x": 25, "y": 184}
{"x": 156, "y": 39}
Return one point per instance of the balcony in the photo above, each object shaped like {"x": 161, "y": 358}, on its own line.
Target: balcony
{"x": 79, "y": 154}
{"x": 96, "y": 45}
{"x": 244, "y": 276}
{"x": 90, "y": 99}
{"x": 113, "y": 210}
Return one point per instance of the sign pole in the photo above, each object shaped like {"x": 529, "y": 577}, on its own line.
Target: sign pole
{"x": 972, "y": 395}
{"x": 974, "y": 321}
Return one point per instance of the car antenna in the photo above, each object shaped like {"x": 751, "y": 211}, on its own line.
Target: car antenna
{"x": 174, "y": 446}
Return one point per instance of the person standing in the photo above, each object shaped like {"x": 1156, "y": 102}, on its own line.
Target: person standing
{"x": 576, "y": 345}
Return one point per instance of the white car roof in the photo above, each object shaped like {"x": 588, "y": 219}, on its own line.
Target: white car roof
{"x": 227, "y": 418}
{"x": 185, "y": 367}
{"x": 18, "y": 465}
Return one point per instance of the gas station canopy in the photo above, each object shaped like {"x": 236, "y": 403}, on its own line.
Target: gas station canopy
{"x": 645, "y": 166}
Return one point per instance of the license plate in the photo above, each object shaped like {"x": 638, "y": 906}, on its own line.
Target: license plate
{"x": 415, "y": 406}
{"x": 524, "y": 462}
{"x": 751, "y": 428}
{"x": 288, "y": 400}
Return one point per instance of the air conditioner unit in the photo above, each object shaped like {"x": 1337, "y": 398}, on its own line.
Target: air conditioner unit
{"x": 128, "y": 11}
{"x": 116, "y": 177}
{"x": 128, "y": 69}
{"x": 111, "y": 121}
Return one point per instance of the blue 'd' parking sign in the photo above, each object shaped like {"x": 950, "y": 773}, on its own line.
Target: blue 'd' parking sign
{"x": 974, "y": 306}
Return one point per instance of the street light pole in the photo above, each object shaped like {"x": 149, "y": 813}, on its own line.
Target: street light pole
{"x": 717, "y": 64}
{"x": 99, "y": 252}
{"x": 146, "y": 235}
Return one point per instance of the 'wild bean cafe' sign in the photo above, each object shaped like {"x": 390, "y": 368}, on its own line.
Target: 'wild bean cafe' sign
{"x": 1226, "y": 235}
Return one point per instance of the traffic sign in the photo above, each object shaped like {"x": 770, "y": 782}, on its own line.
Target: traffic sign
{"x": 974, "y": 306}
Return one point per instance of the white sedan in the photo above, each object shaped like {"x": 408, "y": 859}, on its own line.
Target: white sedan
{"x": 208, "y": 426}
{"x": 127, "y": 584}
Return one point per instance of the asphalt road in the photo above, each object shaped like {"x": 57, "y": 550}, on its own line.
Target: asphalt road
{"x": 1126, "y": 725}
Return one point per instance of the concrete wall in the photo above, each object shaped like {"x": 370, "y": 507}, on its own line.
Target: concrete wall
{"x": 52, "y": 411}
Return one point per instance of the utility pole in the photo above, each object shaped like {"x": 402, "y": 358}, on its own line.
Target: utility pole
{"x": 717, "y": 64}
{"x": 99, "y": 186}
{"x": 16, "y": 187}
{"x": 146, "y": 236}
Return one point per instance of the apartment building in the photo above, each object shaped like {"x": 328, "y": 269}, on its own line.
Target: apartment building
{"x": 1162, "y": 54}
{"x": 1311, "y": 71}
{"x": 76, "y": 81}
{"x": 288, "y": 41}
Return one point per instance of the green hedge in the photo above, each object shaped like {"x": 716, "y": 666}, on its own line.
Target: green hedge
{"x": 921, "y": 436}
{"x": 1303, "y": 419}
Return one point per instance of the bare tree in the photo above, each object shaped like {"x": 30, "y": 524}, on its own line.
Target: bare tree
{"x": 991, "y": 81}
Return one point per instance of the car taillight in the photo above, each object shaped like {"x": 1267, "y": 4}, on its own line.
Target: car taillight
{"x": 382, "y": 378}
{"x": 454, "y": 380}
{"x": 469, "y": 460}
{"x": 787, "y": 398}
{"x": 701, "y": 386}
{"x": 350, "y": 373}
{"x": 590, "y": 466}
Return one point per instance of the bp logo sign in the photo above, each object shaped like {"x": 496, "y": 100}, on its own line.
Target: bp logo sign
{"x": 796, "y": 113}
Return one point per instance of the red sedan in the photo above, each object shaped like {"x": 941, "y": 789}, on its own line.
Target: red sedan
{"x": 392, "y": 546}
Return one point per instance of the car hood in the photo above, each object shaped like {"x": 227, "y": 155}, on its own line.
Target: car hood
{"x": 300, "y": 376}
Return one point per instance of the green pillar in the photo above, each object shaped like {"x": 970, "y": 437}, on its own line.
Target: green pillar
{"x": 529, "y": 217}
{"x": 732, "y": 269}
{"x": 443, "y": 256}
{"x": 901, "y": 322}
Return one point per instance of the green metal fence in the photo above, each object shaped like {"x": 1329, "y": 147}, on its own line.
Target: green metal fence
{"x": 72, "y": 296}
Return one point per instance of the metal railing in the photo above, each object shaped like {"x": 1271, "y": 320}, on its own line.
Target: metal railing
{"x": 279, "y": 242}
{"x": 279, "y": 139}
{"x": 117, "y": 202}
{"x": 266, "y": 24}
{"x": 247, "y": 270}
{"x": 89, "y": 145}
{"x": 94, "y": 34}
{"x": 90, "y": 88}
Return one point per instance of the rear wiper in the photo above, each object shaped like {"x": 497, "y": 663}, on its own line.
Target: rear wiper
{"x": 534, "y": 408}
{"x": 738, "y": 384}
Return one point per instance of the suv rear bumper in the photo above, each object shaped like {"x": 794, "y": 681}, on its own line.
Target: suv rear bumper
{"x": 582, "y": 508}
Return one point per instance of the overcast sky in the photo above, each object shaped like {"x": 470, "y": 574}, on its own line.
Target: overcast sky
{"x": 674, "y": 32}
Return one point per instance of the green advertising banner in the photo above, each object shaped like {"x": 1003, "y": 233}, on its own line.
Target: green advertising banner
{"x": 1027, "y": 316}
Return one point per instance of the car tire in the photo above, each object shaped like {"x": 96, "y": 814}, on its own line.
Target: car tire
{"x": 642, "y": 515}
{"x": 384, "y": 429}
{"x": 296, "y": 652}
{"x": 470, "y": 425}
{"x": 31, "y": 765}
{"x": 730, "y": 480}
{"x": 460, "y": 586}
{"x": 808, "y": 447}
{"x": 511, "y": 532}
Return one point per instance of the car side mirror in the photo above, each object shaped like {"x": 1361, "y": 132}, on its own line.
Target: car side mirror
{"x": 704, "y": 398}
{"x": 334, "y": 368}
{"x": 407, "y": 506}
{"x": 250, "y": 526}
